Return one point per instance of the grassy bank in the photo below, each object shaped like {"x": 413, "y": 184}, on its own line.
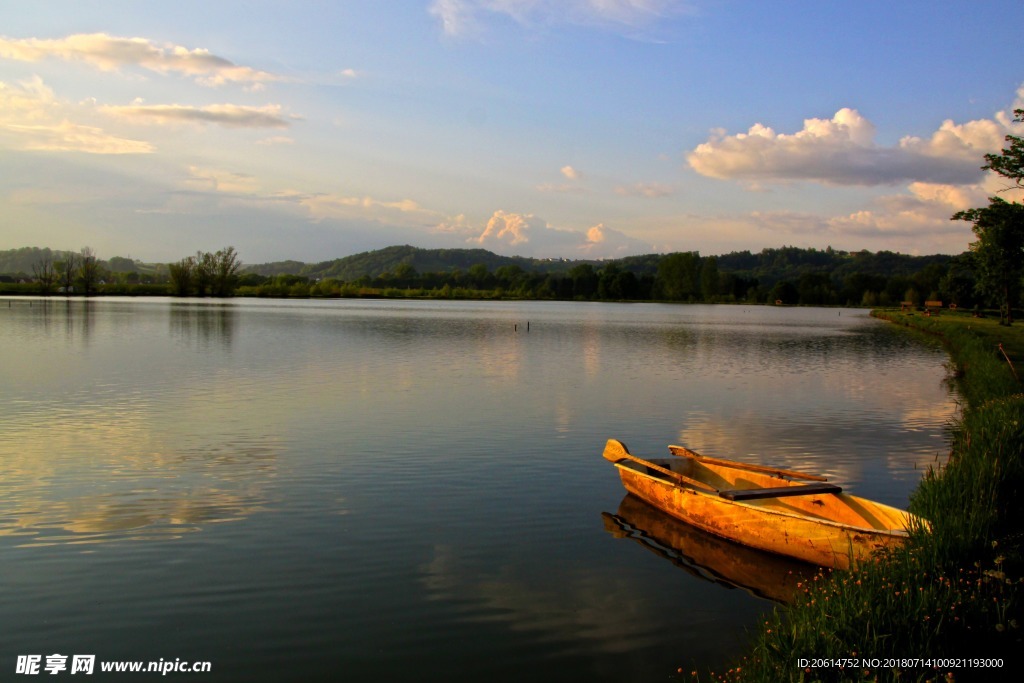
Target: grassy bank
{"x": 954, "y": 591}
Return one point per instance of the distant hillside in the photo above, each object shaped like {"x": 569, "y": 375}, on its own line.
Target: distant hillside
{"x": 376, "y": 263}
{"x": 768, "y": 266}
{"x": 21, "y": 261}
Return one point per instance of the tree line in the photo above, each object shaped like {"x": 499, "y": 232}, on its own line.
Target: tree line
{"x": 678, "y": 277}
{"x": 788, "y": 275}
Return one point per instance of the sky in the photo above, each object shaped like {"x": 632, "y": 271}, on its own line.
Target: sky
{"x": 544, "y": 128}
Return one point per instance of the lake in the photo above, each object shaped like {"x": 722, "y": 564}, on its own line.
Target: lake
{"x": 402, "y": 490}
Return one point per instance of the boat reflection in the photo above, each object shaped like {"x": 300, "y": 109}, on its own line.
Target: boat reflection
{"x": 764, "y": 575}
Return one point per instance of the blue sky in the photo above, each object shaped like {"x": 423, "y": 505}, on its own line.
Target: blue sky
{"x": 570, "y": 128}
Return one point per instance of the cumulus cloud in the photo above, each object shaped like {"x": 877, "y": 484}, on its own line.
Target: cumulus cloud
{"x": 230, "y": 115}
{"x": 842, "y": 151}
{"x": 571, "y": 173}
{"x": 528, "y": 235}
{"x": 510, "y": 229}
{"x": 33, "y": 119}
{"x": 110, "y": 53}
{"x": 464, "y": 17}
{"x": 572, "y": 187}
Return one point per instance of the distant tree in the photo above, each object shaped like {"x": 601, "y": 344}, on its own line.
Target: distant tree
{"x": 204, "y": 273}
{"x": 785, "y": 292}
{"x": 584, "y": 281}
{"x": 999, "y": 250}
{"x": 479, "y": 276}
{"x": 709, "y": 280}
{"x": 88, "y": 271}
{"x": 182, "y": 274}
{"x": 226, "y": 266}
{"x": 45, "y": 273}
{"x": 678, "y": 276}
{"x": 67, "y": 272}
{"x": 405, "y": 275}
{"x": 508, "y": 275}
{"x": 959, "y": 284}
{"x": 120, "y": 264}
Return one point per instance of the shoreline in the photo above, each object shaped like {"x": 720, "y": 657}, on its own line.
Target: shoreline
{"x": 948, "y": 606}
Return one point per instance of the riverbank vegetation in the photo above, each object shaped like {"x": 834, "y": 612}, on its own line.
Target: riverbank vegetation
{"x": 954, "y": 591}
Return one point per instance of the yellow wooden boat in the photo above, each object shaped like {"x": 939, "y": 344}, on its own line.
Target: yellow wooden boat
{"x": 780, "y": 511}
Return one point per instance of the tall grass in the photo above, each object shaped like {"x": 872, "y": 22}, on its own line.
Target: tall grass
{"x": 954, "y": 590}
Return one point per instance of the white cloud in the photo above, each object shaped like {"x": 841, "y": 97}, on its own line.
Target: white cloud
{"x": 528, "y": 235}
{"x": 842, "y": 151}
{"x": 571, "y": 173}
{"x": 230, "y": 115}
{"x": 110, "y": 53}
{"x": 456, "y": 16}
{"x": 33, "y": 119}
{"x": 509, "y": 229}
{"x": 465, "y": 17}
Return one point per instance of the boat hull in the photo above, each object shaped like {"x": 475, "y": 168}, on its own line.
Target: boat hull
{"x": 805, "y": 529}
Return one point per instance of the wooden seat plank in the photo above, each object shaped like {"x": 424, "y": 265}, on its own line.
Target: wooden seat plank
{"x": 781, "y": 491}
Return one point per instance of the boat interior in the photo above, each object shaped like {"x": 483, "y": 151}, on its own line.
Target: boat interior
{"x": 781, "y": 493}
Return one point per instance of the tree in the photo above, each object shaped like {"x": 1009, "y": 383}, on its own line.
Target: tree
{"x": 999, "y": 251}
{"x": 45, "y": 273}
{"x": 584, "y": 281}
{"x": 208, "y": 274}
{"x": 182, "y": 274}
{"x": 678, "y": 276}
{"x": 88, "y": 271}
{"x": 226, "y": 266}
{"x": 709, "y": 280}
{"x": 1010, "y": 164}
{"x": 67, "y": 271}
{"x": 205, "y": 272}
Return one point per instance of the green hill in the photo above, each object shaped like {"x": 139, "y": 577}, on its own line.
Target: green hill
{"x": 387, "y": 260}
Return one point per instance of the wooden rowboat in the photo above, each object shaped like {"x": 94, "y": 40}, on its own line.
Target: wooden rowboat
{"x": 780, "y": 511}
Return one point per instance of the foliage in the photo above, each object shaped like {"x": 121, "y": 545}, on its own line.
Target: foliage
{"x": 88, "y": 271}
{"x": 1010, "y": 163}
{"x": 206, "y": 274}
{"x": 45, "y": 273}
{"x": 790, "y": 274}
{"x": 67, "y": 270}
{"x": 955, "y": 589}
{"x": 999, "y": 251}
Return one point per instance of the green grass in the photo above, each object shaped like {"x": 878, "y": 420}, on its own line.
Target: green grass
{"x": 955, "y": 589}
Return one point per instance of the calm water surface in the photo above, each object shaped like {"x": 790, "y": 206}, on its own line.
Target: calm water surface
{"x": 366, "y": 491}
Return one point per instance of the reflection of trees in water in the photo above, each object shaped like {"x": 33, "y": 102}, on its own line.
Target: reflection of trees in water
{"x": 204, "y": 324}
{"x": 78, "y": 316}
